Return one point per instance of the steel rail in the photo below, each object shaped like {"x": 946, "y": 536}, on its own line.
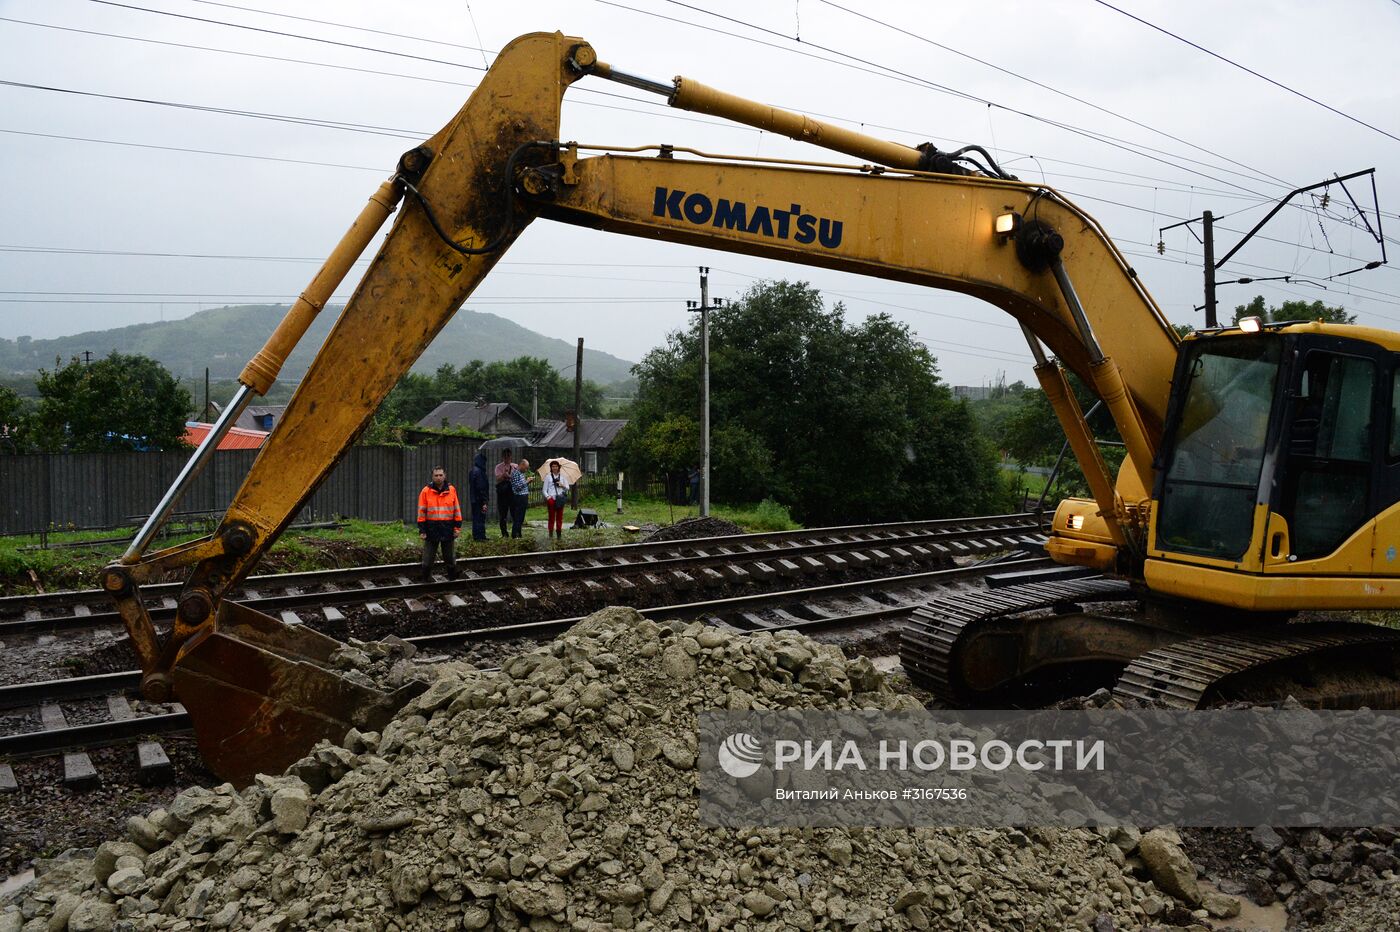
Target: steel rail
{"x": 1005, "y": 534}
{"x": 15, "y": 604}
{"x": 93, "y": 735}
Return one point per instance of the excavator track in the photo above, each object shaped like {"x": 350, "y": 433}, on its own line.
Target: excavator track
{"x": 930, "y": 643}
{"x": 1005, "y": 646}
{"x": 1198, "y": 672}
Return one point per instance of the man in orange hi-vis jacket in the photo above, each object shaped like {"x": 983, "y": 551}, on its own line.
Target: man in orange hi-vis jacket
{"x": 439, "y": 523}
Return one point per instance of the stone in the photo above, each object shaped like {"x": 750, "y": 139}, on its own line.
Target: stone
{"x": 144, "y": 832}
{"x": 536, "y": 899}
{"x": 125, "y": 881}
{"x": 838, "y": 850}
{"x": 291, "y": 809}
{"x": 1220, "y": 905}
{"x": 1267, "y": 839}
{"x": 678, "y": 664}
{"x": 1169, "y": 866}
{"x": 92, "y": 916}
{"x": 760, "y": 904}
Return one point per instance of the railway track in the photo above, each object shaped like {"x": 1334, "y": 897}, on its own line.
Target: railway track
{"x": 624, "y": 572}
{"x": 847, "y": 605}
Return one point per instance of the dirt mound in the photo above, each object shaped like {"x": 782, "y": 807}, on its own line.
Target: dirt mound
{"x": 560, "y": 792}
{"x": 692, "y": 528}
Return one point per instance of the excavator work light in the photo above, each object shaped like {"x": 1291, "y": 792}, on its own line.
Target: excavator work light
{"x": 1075, "y": 522}
{"x": 1007, "y": 224}
{"x": 1250, "y": 324}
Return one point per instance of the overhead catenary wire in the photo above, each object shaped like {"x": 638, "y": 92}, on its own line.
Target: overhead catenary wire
{"x": 269, "y": 13}
{"x": 1234, "y": 64}
{"x": 651, "y": 104}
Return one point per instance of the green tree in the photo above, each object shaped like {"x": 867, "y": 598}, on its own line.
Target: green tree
{"x": 1031, "y": 435}
{"x": 118, "y": 403}
{"x": 14, "y": 421}
{"x": 840, "y": 422}
{"x": 1292, "y": 310}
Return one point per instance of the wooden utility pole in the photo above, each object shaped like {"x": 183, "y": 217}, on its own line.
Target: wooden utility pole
{"x": 578, "y": 417}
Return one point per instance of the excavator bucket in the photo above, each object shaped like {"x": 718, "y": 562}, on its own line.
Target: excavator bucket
{"x": 261, "y": 693}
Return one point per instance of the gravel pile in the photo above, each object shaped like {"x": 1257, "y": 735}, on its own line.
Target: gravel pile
{"x": 1306, "y": 869}
{"x": 692, "y": 528}
{"x": 559, "y": 793}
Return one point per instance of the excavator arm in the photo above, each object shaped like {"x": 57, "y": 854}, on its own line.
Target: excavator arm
{"x": 259, "y": 693}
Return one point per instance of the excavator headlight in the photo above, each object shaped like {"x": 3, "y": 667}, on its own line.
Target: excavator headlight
{"x": 1007, "y": 224}
{"x": 1251, "y": 324}
{"x": 1075, "y": 522}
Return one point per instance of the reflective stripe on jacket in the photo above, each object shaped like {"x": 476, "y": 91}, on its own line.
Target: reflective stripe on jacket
{"x": 438, "y": 512}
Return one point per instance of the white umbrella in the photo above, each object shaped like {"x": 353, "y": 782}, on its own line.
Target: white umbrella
{"x": 567, "y": 468}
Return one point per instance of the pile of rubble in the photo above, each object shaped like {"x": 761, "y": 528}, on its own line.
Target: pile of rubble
{"x": 559, "y": 792}
{"x": 693, "y": 528}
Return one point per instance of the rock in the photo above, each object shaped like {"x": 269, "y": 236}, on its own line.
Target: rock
{"x": 105, "y": 860}
{"x": 838, "y": 850}
{"x": 144, "y": 832}
{"x": 624, "y": 758}
{"x": 1170, "y": 868}
{"x": 290, "y": 809}
{"x": 760, "y": 904}
{"x": 536, "y": 899}
{"x": 1220, "y": 905}
{"x": 92, "y": 916}
{"x": 474, "y": 917}
{"x": 1267, "y": 839}
{"x": 124, "y": 882}
{"x": 677, "y": 663}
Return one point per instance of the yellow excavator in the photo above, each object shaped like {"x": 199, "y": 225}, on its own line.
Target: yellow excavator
{"x": 1262, "y": 462}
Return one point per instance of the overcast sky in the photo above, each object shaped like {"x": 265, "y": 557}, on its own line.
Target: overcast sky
{"x": 120, "y": 212}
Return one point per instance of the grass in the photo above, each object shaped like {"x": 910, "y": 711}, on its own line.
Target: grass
{"x": 642, "y": 509}
{"x": 25, "y": 568}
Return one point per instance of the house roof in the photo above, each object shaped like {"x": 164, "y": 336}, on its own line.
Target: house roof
{"x": 248, "y": 420}
{"x": 484, "y": 417}
{"x": 237, "y": 438}
{"x": 594, "y": 434}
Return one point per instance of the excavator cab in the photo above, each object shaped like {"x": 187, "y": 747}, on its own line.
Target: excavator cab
{"x": 1279, "y": 471}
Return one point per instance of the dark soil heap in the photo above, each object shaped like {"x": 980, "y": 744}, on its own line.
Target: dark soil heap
{"x": 693, "y": 528}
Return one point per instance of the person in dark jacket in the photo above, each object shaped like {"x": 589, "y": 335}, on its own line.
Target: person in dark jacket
{"x": 479, "y": 496}
{"x": 439, "y": 523}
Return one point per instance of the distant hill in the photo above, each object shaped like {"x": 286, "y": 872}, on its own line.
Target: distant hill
{"x": 225, "y": 338}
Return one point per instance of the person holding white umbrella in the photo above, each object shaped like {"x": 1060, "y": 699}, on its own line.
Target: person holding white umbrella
{"x": 559, "y": 475}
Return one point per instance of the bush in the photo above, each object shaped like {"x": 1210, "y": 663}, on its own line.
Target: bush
{"x": 768, "y": 515}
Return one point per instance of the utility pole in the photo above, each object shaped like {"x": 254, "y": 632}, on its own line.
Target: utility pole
{"x": 205, "y": 414}
{"x": 1207, "y": 238}
{"x": 578, "y": 405}
{"x": 704, "y": 310}
{"x": 535, "y": 405}
{"x": 1208, "y": 245}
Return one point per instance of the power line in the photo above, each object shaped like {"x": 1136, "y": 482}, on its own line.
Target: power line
{"x": 1234, "y": 64}
{"x": 219, "y": 152}
{"x": 226, "y": 111}
{"x": 1044, "y": 86}
{"x": 287, "y": 35}
{"x": 659, "y": 109}
{"x": 1138, "y": 149}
